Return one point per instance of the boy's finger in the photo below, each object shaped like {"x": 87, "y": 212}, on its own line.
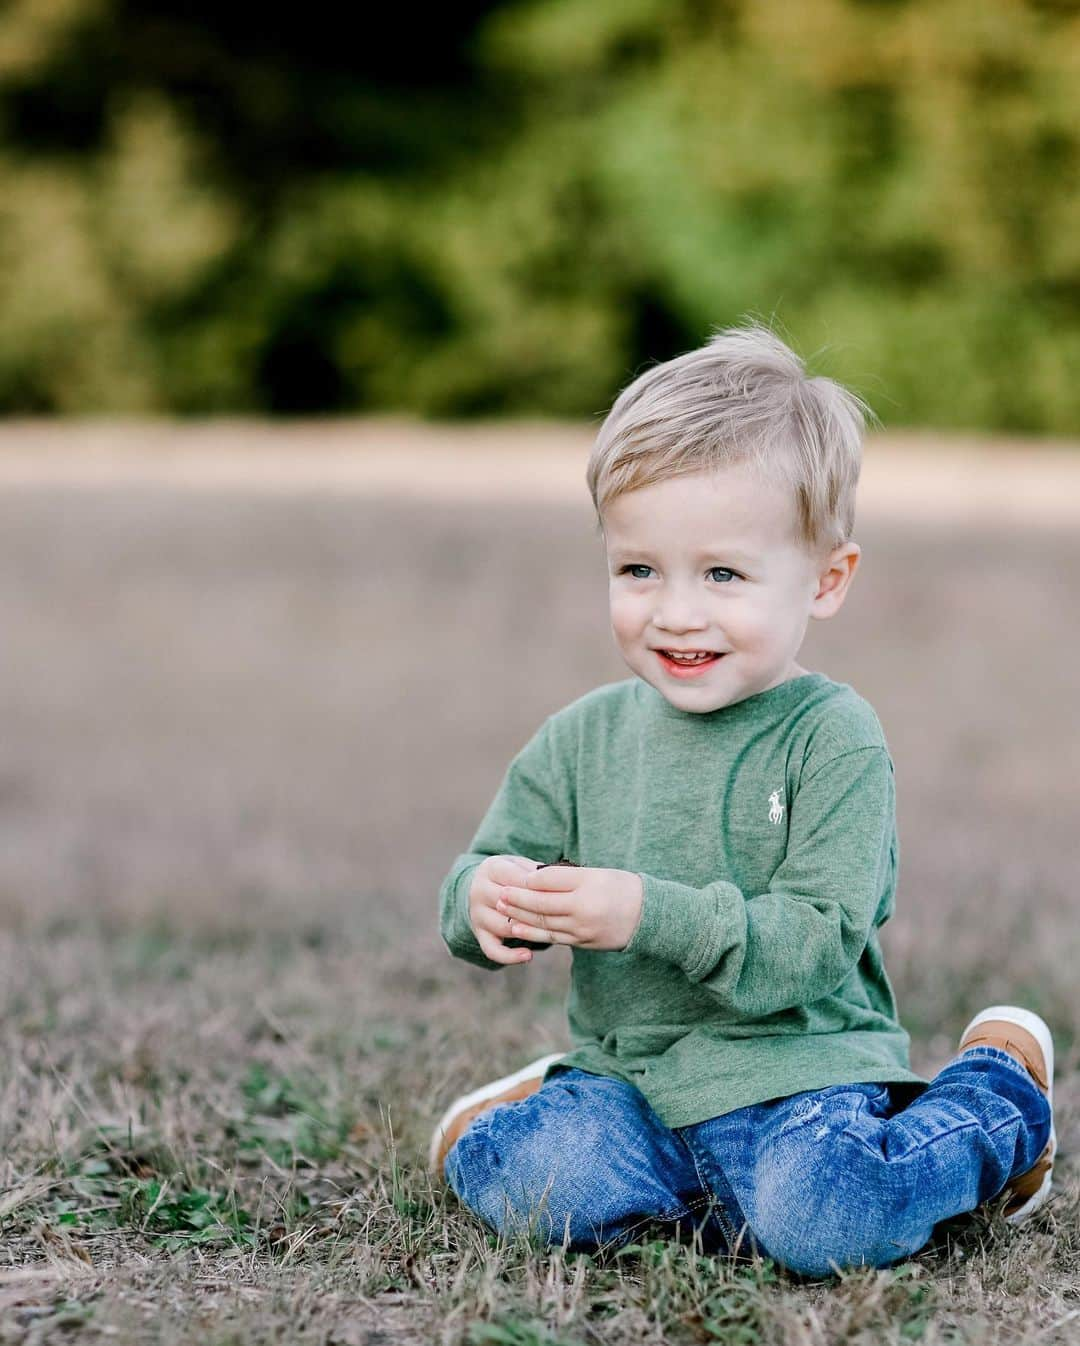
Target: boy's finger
{"x": 511, "y": 869}
{"x": 538, "y": 935}
{"x": 534, "y": 903}
{"x": 524, "y": 925}
{"x": 530, "y": 915}
{"x": 552, "y": 879}
{"x": 497, "y": 951}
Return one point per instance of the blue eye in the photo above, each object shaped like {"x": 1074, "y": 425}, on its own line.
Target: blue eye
{"x": 723, "y": 570}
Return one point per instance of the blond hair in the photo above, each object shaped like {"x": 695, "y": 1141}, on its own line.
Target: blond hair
{"x": 743, "y": 397}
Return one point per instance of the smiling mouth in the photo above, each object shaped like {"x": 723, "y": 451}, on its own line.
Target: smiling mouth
{"x": 700, "y": 660}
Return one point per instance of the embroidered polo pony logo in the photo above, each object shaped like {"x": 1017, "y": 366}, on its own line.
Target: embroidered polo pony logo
{"x": 776, "y": 809}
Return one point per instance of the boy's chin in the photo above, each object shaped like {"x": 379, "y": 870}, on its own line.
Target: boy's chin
{"x": 688, "y": 695}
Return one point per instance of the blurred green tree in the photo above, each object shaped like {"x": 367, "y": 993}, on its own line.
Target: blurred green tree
{"x": 512, "y": 207}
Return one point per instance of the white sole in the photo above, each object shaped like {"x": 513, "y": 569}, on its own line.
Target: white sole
{"x": 534, "y": 1070}
{"x": 1040, "y": 1031}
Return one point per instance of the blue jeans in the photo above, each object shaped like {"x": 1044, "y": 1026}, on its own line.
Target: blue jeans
{"x": 856, "y": 1174}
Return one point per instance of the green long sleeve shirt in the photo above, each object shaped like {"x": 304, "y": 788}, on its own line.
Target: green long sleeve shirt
{"x": 765, "y": 837}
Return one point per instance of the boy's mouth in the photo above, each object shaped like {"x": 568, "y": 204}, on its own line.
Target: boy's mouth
{"x": 687, "y": 666}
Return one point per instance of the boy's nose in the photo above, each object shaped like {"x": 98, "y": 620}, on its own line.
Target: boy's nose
{"x": 675, "y": 616}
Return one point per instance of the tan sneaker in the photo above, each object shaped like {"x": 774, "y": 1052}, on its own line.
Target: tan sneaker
{"x": 510, "y": 1089}
{"x": 1026, "y": 1036}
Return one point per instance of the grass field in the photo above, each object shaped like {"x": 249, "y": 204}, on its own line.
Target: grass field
{"x": 245, "y": 733}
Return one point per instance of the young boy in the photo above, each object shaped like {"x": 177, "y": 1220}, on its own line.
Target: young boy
{"x": 738, "y": 1067}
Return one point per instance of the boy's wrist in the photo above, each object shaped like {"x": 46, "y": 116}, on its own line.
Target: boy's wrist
{"x": 636, "y": 889}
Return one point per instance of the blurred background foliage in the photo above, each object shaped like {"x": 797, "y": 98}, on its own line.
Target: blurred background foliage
{"x": 511, "y": 207}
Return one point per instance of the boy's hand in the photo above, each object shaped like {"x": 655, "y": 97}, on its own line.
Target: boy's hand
{"x": 592, "y": 908}
{"x": 489, "y": 882}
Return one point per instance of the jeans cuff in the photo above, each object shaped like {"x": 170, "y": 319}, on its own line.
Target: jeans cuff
{"x": 1005, "y": 1058}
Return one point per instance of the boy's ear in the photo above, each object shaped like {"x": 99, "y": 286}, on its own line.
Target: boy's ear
{"x": 834, "y": 577}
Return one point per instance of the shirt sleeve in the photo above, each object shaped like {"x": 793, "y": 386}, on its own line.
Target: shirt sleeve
{"x": 528, "y": 816}
{"x": 796, "y": 942}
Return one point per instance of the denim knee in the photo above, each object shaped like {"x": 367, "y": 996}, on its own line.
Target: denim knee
{"x": 531, "y": 1190}
{"x": 815, "y": 1222}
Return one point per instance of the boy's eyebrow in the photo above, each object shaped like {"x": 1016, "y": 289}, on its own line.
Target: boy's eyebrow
{"x": 618, "y": 553}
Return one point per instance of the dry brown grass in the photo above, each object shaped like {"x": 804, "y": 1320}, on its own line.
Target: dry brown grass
{"x": 246, "y": 732}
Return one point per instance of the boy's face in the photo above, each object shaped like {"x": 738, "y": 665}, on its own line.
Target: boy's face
{"x": 709, "y": 561}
